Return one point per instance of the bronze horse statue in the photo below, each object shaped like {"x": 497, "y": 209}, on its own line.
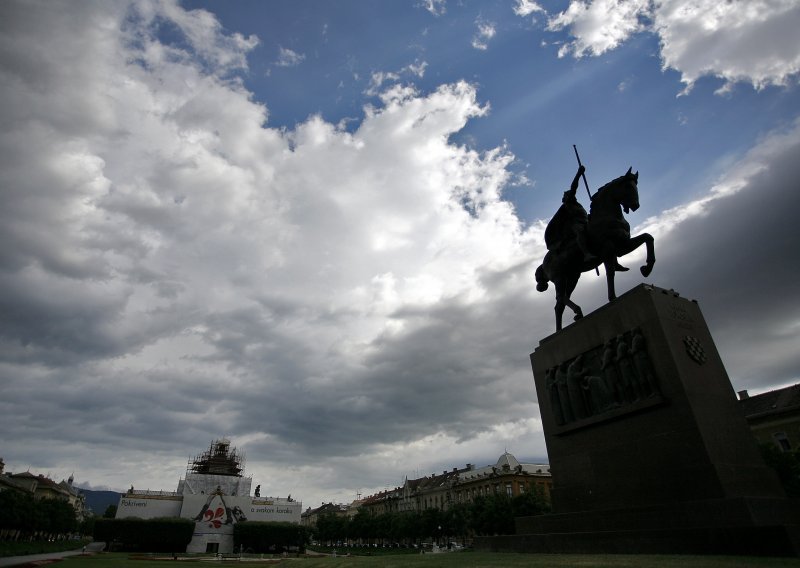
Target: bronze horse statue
{"x": 577, "y": 244}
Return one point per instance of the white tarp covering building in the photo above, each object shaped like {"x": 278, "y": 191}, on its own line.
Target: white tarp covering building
{"x": 216, "y": 495}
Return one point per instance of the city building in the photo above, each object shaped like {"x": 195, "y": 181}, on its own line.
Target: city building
{"x": 310, "y": 516}
{"x": 774, "y": 416}
{"x": 42, "y": 487}
{"x": 216, "y": 495}
{"x": 441, "y": 491}
{"x": 388, "y": 501}
{"x": 432, "y": 491}
{"x": 507, "y": 476}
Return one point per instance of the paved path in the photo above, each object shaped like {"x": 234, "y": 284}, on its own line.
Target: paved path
{"x": 18, "y": 560}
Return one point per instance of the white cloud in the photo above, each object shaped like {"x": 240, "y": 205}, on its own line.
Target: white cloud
{"x": 379, "y": 79}
{"x": 201, "y": 29}
{"x": 485, "y": 32}
{"x": 435, "y": 7}
{"x": 417, "y": 68}
{"x": 745, "y": 40}
{"x": 527, "y": 7}
{"x": 598, "y": 25}
{"x": 176, "y": 269}
{"x": 753, "y": 41}
{"x": 289, "y": 58}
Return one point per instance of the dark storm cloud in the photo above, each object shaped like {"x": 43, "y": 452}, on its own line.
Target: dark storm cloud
{"x": 458, "y": 369}
{"x": 740, "y": 261}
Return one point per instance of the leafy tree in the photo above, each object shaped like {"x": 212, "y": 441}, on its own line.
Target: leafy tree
{"x": 430, "y": 522}
{"x": 260, "y": 536}
{"x": 405, "y": 527}
{"x": 110, "y": 512}
{"x": 362, "y": 526}
{"x": 456, "y": 520}
{"x": 21, "y": 512}
{"x": 59, "y": 516}
{"x": 332, "y": 527}
{"x": 531, "y": 503}
{"x": 18, "y": 511}
{"x": 87, "y": 525}
{"x": 786, "y": 465}
{"x": 492, "y": 514}
{"x": 487, "y": 515}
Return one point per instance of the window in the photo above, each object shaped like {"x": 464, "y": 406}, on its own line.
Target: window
{"x": 522, "y": 489}
{"x": 509, "y": 492}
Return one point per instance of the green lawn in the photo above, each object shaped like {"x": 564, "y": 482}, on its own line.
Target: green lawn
{"x": 455, "y": 560}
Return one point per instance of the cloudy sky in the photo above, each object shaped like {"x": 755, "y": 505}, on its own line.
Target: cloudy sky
{"x": 312, "y": 227}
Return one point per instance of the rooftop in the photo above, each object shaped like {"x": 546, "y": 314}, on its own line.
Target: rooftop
{"x": 772, "y": 402}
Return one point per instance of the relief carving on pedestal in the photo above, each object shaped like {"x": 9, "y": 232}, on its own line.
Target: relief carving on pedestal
{"x": 610, "y": 377}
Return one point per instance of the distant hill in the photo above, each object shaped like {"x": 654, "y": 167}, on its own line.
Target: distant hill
{"x": 98, "y": 501}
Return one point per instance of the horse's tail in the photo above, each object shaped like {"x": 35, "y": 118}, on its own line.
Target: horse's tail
{"x": 541, "y": 279}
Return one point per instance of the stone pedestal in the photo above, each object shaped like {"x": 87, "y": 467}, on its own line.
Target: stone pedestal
{"x": 648, "y": 448}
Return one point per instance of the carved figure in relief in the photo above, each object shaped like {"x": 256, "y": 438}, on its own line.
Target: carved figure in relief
{"x": 607, "y": 377}
{"x": 563, "y": 393}
{"x": 552, "y": 391}
{"x": 600, "y": 397}
{"x": 647, "y": 382}
{"x": 608, "y": 369}
{"x": 575, "y": 374}
{"x": 630, "y": 384}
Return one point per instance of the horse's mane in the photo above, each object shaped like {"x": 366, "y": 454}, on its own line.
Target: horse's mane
{"x": 614, "y": 182}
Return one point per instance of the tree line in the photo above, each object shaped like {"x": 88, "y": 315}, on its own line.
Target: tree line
{"x": 26, "y": 518}
{"x": 486, "y": 515}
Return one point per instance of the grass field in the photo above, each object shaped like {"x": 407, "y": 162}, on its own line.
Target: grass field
{"x": 451, "y": 560}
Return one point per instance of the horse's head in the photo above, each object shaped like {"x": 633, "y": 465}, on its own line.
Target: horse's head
{"x": 623, "y": 191}
{"x": 629, "y": 191}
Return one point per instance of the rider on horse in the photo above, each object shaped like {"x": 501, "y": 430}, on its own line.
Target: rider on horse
{"x": 569, "y": 224}
{"x": 577, "y": 242}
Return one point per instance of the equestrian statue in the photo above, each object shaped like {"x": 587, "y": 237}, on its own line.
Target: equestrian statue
{"x": 577, "y": 242}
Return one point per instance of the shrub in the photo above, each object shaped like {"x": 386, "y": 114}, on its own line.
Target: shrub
{"x": 258, "y": 536}
{"x": 145, "y": 535}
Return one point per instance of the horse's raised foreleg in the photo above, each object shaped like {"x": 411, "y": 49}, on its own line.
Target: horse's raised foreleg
{"x": 637, "y": 241}
{"x": 651, "y": 254}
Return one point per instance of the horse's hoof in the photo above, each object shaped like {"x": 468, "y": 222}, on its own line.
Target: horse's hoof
{"x": 646, "y": 270}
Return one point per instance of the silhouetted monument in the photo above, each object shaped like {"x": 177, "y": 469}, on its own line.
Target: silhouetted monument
{"x": 577, "y": 242}
{"x": 648, "y": 448}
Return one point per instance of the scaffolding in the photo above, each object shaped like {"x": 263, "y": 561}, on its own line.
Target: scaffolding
{"x": 219, "y": 459}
